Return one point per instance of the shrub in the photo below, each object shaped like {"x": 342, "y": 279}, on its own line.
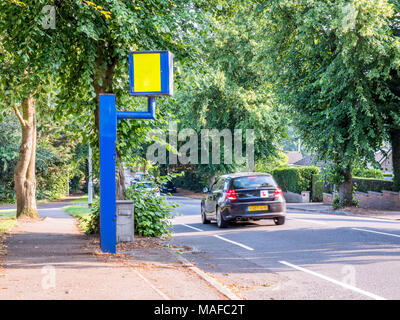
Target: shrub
{"x": 317, "y": 188}
{"x": 192, "y": 180}
{"x": 90, "y": 224}
{"x": 296, "y": 179}
{"x": 52, "y": 183}
{"x": 153, "y": 214}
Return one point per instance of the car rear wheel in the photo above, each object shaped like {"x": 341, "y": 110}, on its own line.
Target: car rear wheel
{"x": 221, "y": 223}
{"x": 204, "y": 219}
{"x": 279, "y": 220}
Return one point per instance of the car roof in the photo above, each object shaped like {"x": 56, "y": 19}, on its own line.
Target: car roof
{"x": 244, "y": 174}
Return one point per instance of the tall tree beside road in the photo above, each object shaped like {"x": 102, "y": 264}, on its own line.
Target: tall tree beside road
{"x": 27, "y": 67}
{"x": 331, "y": 61}
{"x": 231, "y": 90}
{"x": 83, "y": 46}
{"x": 97, "y": 47}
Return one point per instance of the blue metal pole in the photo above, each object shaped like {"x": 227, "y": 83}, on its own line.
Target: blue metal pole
{"x": 108, "y": 136}
{"x": 150, "y": 114}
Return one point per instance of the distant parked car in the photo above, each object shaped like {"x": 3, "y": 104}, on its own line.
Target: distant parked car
{"x": 168, "y": 187}
{"x": 148, "y": 185}
{"x": 242, "y": 197}
{"x": 140, "y": 176}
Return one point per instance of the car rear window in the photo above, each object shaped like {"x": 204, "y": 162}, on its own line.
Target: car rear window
{"x": 250, "y": 182}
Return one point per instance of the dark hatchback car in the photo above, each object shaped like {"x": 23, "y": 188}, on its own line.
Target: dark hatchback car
{"x": 243, "y": 197}
{"x": 168, "y": 187}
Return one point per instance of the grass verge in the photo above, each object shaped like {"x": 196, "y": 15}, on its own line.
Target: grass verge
{"x": 7, "y": 220}
{"x": 81, "y": 213}
{"x": 83, "y": 199}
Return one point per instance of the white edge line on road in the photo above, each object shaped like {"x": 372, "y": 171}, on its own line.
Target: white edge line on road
{"x": 344, "y": 285}
{"x": 221, "y": 238}
{"x": 153, "y": 287}
{"x": 194, "y": 228}
{"x": 386, "y": 234}
{"x": 234, "y": 242}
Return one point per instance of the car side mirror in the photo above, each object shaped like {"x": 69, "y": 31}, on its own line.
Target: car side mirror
{"x": 205, "y": 190}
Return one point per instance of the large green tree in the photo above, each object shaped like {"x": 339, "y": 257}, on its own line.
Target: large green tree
{"x": 330, "y": 60}
{"x": 83, "y": 46}
{"x": 231, "y": 90}
{"x": 28, "y": 64}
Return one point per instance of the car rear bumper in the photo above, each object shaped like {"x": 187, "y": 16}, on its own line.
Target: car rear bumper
{"x": 240, "y": 211}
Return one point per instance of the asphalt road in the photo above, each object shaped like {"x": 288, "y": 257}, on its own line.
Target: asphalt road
{"x": 312, "y": 256}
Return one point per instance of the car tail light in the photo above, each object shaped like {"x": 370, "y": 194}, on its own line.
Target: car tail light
{"x": 231, "y": 195}
{"x": 278, "y": 192}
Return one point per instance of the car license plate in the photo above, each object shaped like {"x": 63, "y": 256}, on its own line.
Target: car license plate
{"x": 257, "y": 208}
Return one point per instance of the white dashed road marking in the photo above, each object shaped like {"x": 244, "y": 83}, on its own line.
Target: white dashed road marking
{"x": 342, "y": 284}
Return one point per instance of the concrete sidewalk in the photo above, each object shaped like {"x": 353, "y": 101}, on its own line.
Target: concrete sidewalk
{"x": 52, "y": 259}
{"x": 348, "y": 211}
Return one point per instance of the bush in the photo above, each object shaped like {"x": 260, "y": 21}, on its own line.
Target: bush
{"x": 53, "y": 183}
{"x": 90, "y": 223}
{"x": 192, "y": 180}
{"x": 296, "y": 179}
{"x": 152, "y": 213}
{"x": 317, "y": 188}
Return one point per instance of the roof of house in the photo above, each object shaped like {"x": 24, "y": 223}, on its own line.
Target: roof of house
{"x": 380, "y": 156}
{"x": 309, "y": 161}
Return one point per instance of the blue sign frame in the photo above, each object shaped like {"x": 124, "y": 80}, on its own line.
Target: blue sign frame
{"x": 109, "y": 118}
{"x": 166, "y": 70}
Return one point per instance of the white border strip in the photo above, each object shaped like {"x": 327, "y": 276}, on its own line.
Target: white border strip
{"x": 344, "y": 285}
{"x": 386, "y": 234}
{"x": 221, "y": 238}
{"x": 234, "y": 242}
{"x": 194, "y": 228}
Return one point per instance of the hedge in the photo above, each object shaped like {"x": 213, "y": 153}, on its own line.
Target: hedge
{"x": 366, "y": 184}
{"x": 296, "y": 179}
{"x": 192, "y": 180}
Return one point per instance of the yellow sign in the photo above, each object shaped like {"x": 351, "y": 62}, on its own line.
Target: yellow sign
{"x": 147, "y": 74}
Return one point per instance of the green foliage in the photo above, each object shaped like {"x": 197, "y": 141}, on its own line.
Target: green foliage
{"x": 317, "y": 189}
{"x": 296, "y": 179}
{"x": 337, "y": 203}
{"x": 57, "y": 159}
{"x": 89, "y": 218}
{"x": 192, "y": 180}
{"x": 230, "y": 90}
{"x": 370, "y": 184}
{"x": 368, "y": 173}
{"x": 53, "y": 184}
{"x": 331, "y": 62}
{"x": 269, "y": 166}
{"x": 153, "y": 213}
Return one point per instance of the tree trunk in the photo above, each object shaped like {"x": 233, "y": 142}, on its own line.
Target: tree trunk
{"x": 24, "y": 173}
{"x": 395, "y": 141}
{"x": 120, "y": 183}
{"x": 346, "y": 188}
